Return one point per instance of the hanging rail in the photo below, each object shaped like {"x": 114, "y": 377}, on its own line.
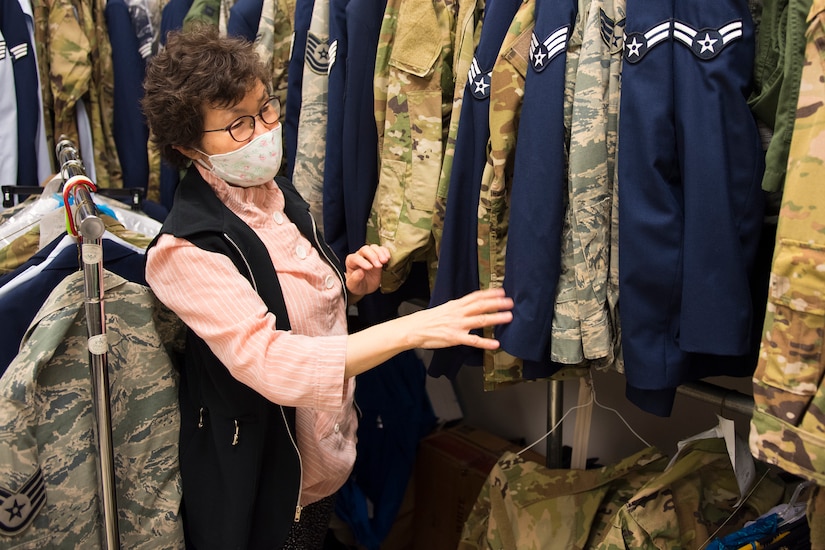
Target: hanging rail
{"x": 90, "y": 228}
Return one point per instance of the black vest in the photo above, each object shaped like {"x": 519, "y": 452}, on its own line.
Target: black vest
{"x": 239, "y": 464}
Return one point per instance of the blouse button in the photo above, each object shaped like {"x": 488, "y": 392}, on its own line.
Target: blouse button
{"x": 329, "y": 281}
{"x": 278, "y": 217}
{"x": 300, "y": 251}
{"x": 336, "y": 428}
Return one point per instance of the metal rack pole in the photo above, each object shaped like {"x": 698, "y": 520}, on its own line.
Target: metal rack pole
{"x": 555, "y": 404}
{"x": 91, "y": 229}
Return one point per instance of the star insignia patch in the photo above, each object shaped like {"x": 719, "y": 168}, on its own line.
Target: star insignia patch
{"x": 637, "y": 44}
{"x": 18, "y": 509}
{"x": 543, "y": 52}
{"x": 707, "y": 43}
{"x": 478, "y": 81}
{"x": 317, "y": 54}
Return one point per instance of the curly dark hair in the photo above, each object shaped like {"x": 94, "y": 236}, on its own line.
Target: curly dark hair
{"x": 197, "y": 69}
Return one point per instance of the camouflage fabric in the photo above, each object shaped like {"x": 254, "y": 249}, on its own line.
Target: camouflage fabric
{"x": 274, "y": 42}
{"x": 203, "y": 11}
{"x": 468, "y": 31}
{"x": 414, "y": 87}
{"x": 788, "y": 423}
{"x": 46, "y": 424}
{"x": 691, "y": 502}
{"x": 75, "y": 58}
{"x": 506, "y": 92}
{"x": 20, "y": 250}
{"x": 308, "y": 173}
{"x": 565, "y": 343}
{"x": 592, "y": 154}
{"x": 525, "y": 506}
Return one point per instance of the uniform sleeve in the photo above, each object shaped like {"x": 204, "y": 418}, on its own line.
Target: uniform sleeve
{"x": 213, "y": 299}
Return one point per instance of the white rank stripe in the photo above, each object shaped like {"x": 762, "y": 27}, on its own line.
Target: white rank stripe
{"x": 19, "y": 51}
{"x": 556, "y": 41}
{"x": 657, "y": 34}
{"x": 731, "y": 31}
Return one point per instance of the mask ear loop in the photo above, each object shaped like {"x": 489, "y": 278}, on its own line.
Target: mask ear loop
{"x": 67, "y": 188}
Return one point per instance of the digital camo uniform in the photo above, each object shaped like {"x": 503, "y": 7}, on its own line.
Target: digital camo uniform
{"x": 76, "y": 61}
{"x": 639, "y": 503}
{"x": 48, "y": 464}
{"x": 593, "y": 137}
{"x": 308, "y": 170}
{"x": 539, "y": 188}
{"x": 468, "y": 31}
{"x": 413, "y": 98}
{"x": 583, "y": 327}
{"x": 788, "y": 424}
{"x": 273, "y": 42}
{"x": 506, "y": 93}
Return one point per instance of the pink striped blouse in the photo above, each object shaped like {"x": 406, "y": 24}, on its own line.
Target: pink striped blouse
{"x": 302, "y": 368}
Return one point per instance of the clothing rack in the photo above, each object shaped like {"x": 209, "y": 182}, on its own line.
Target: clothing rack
{"x": 724, "y": 398}
{"x": 90, "y": 229}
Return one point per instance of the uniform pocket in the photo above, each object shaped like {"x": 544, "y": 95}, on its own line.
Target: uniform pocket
{"x": 791, "y": 358}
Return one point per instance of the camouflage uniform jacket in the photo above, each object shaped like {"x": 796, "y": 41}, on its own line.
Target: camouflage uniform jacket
{"x": 48, "y": 464}
{"x": 75, "y": 58}
{"x": 506, "y": 91}
{"x": 593, "y": 137}
{"x": 642, "y": 502}
{"x": 414, "y": 88}
{"x": 527, "y": 506}
{"x": 308, "y": 172}
{"x": 273, "y": 42}
{"x": 468, "y": 31}
{"x": 788, "y": 423}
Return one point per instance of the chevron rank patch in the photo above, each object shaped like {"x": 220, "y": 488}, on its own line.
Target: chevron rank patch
{"x": 333, "y": 53}
{"x": 637, "y": 44}
{"x": 317, "y": 54}
{"x": 543, "y": 52}
{"x": 612, "y": 31}
{"x": 479, "y": 81}
{"x": 707, "y": 43}
{"x": 18, "y": 509}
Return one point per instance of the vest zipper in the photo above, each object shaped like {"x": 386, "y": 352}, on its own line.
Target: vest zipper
{"x": 298, "y": 506}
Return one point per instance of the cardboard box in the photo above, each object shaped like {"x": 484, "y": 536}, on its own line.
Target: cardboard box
{"x": 451, "y": 467}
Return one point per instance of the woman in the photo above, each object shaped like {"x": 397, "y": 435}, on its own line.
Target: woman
{"x": 267, "y": 417}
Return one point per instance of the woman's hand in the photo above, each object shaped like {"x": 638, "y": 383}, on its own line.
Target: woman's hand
{"x": 364, "y": 269}
{"x": 450, "y": 323}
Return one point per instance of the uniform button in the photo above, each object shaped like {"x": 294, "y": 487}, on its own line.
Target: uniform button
{"x": 278, "y": 217}
{"x": 329, "y": 281}
{"x": 300, "y": 251}
{"x": 336, "y": 428}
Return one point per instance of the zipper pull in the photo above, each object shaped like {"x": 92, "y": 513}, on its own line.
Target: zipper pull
{"x": 235, "y": 436}
{"x": 298, "y": 509}
{"x": 201, "y": 412}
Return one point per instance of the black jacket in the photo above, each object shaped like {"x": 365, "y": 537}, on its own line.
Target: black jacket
{"x": 239, "y": 462}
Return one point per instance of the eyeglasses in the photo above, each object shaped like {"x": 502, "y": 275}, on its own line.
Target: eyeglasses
{"x": 243, "y": 128}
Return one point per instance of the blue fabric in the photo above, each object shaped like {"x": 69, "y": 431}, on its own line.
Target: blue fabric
{"x": 295, "y": 79}
{"x": 689, "y": 167}
{"x": 171, "y": 19}
{"x": 762, "y": 527}
{"x": 538, "y": 196}
{"x": 396, "y": 414}
{"x": 458, "y": 257}
{"x": 19, "y": 306}
{"x": 131, "y": 132}
{"x": 16, "y": 34}
{"x": 351, "y": 163}
{"x": 244, "y": 18}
